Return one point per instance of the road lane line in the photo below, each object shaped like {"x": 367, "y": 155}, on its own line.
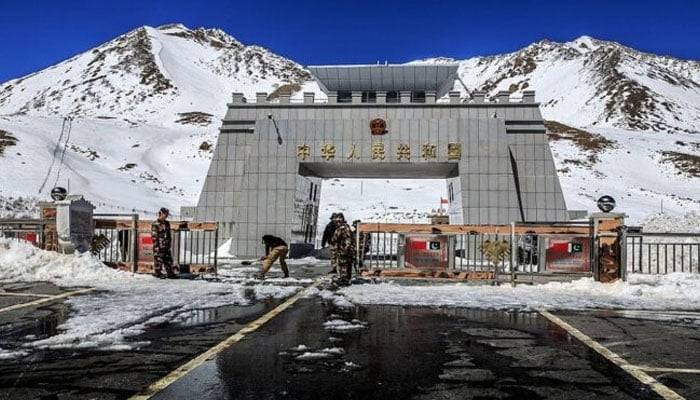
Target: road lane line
{"x": 46, "y": 299}
{"x": 658, "y": 387}
{"x": 184, "y": 369}
{"x": 664, "y": 369}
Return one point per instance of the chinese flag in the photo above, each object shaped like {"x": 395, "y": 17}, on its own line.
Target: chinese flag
{"x": 443, "y": 200}
{"x": 418, "y": 245}
{"x": 561, "y": 247}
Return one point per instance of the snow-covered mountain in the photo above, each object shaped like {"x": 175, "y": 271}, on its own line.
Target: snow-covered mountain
{"x": 149, "y": 75}
{"x": 589, "y": 82}
{"x": 145, "y": 109}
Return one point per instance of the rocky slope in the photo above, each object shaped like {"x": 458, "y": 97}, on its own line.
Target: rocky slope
{"x": 589, "y": 82}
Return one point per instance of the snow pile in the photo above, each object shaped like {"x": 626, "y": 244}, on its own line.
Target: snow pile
{"x": 340, "y": 325}
{"x": 19, "y": 261}
{"x": 676, "y": 291}
{"x": 688, "y": 223}
{"x": 125, "y": 303}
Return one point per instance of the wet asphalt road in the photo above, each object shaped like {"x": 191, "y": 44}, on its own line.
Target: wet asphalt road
{"x": 395, "y": 353}
{"x": 406, "y": 352}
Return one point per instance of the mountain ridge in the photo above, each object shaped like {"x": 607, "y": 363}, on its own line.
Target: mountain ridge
{"x": 146, "y": 108}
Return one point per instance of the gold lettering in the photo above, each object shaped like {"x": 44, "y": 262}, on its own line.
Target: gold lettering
{"x": 303, "y": 151}
{"x": 454, "y": 151}
{"x": 428, "y": 151}
{"x": 403, "y": 152}
{"x": 328, "y": 151}
{"x": 354, "y": 153}
{"x": 378, "y": 151}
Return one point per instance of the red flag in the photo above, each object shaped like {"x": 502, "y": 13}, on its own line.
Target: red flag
{"x": 418, "y": 245}
{"x": 562, "y": 247}
{"x": 443, "y": 200}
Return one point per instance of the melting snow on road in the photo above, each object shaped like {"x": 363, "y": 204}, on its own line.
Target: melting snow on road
{"x": 676, "y": 291}
{"x": 125, "y": 303}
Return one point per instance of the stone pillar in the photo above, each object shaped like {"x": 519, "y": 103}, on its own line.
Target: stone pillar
{"x": 528, "y": 96}
{"x": 261, "y": 97}
{"x": 430, "y": 97}
{"x": 405, "y": 96}
{"x": 332, "y": 97}
{"x": 503, "y": 96}
{"x": 356, "y": 97}
{"x": 608, "y": 260}
{"x": 381, "y": 97}
{"x": 309, "y": 97}
{"x": 284, "y": 98}
{"x": 478, "y": 96}
{"x": 237, "y": 98}
{"x": 454, "y": 97}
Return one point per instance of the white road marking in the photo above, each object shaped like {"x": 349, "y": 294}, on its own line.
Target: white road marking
{"x": 672, "y": 370}
{"x": 181, "y": 371}
{"x": 635, "y": 371}
{"x": 46, "y": 299}
{"x": 19, "y": 294}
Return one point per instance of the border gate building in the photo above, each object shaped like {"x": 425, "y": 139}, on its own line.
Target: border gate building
{"x": 379, "y": 121}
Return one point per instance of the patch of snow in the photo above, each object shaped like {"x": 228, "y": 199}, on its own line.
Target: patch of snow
{"x": 313, "y": 356}
{"x": 675, "y": 291}
{"x": 339, "y": 325}
{"x": 11, "y": 354}
{"x": 125, "y": 303}
{"x": 333, "y": 350}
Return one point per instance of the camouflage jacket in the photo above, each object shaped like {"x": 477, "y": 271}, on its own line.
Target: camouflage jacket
{"x": 365, "y": 242}
{"x": 160, "y": 233}
{"x": 343, "y": 241}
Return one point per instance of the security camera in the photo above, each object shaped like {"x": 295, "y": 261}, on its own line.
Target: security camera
{"x": 269, "y": 116}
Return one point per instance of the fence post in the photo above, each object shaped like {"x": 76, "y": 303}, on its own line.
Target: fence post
{"x": 216, "y": 250}
{"x": 357, "y": 248}
{"x": 607, "y": 247}
{"x": 623, "y": 252}
{"x": 513, "y": 254}
{"x": 135, "y": 241}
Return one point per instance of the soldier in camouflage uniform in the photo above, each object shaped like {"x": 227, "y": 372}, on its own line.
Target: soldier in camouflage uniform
{"x": 162, "y": 256}
{"x": 343, "y": 248}
{"x": 364, "y": 245}
{"x": 326, "y": 239}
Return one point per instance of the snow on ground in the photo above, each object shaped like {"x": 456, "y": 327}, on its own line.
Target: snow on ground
{"x": 631, "y": 172}
{"x": 676, "y": 291}
{"x": 125, "y": 303}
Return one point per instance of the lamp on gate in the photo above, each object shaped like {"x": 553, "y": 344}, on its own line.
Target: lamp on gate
{"x": 606, "y": 203}
{"x": 58, "y": 193}
{"x": 279, "y": 137}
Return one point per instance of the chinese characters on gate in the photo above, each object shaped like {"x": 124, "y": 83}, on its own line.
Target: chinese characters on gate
{"x": 378, "y": 151}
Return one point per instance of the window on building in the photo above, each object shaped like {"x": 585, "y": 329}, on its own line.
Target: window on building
{"x": 344, "y": 96}
{"x": 392, "y": 97}
{"x": 417, "y": 97}
{"x": 369, "y": 97}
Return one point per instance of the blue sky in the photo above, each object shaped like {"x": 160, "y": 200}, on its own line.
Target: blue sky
{"x": 36, "y": 33}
